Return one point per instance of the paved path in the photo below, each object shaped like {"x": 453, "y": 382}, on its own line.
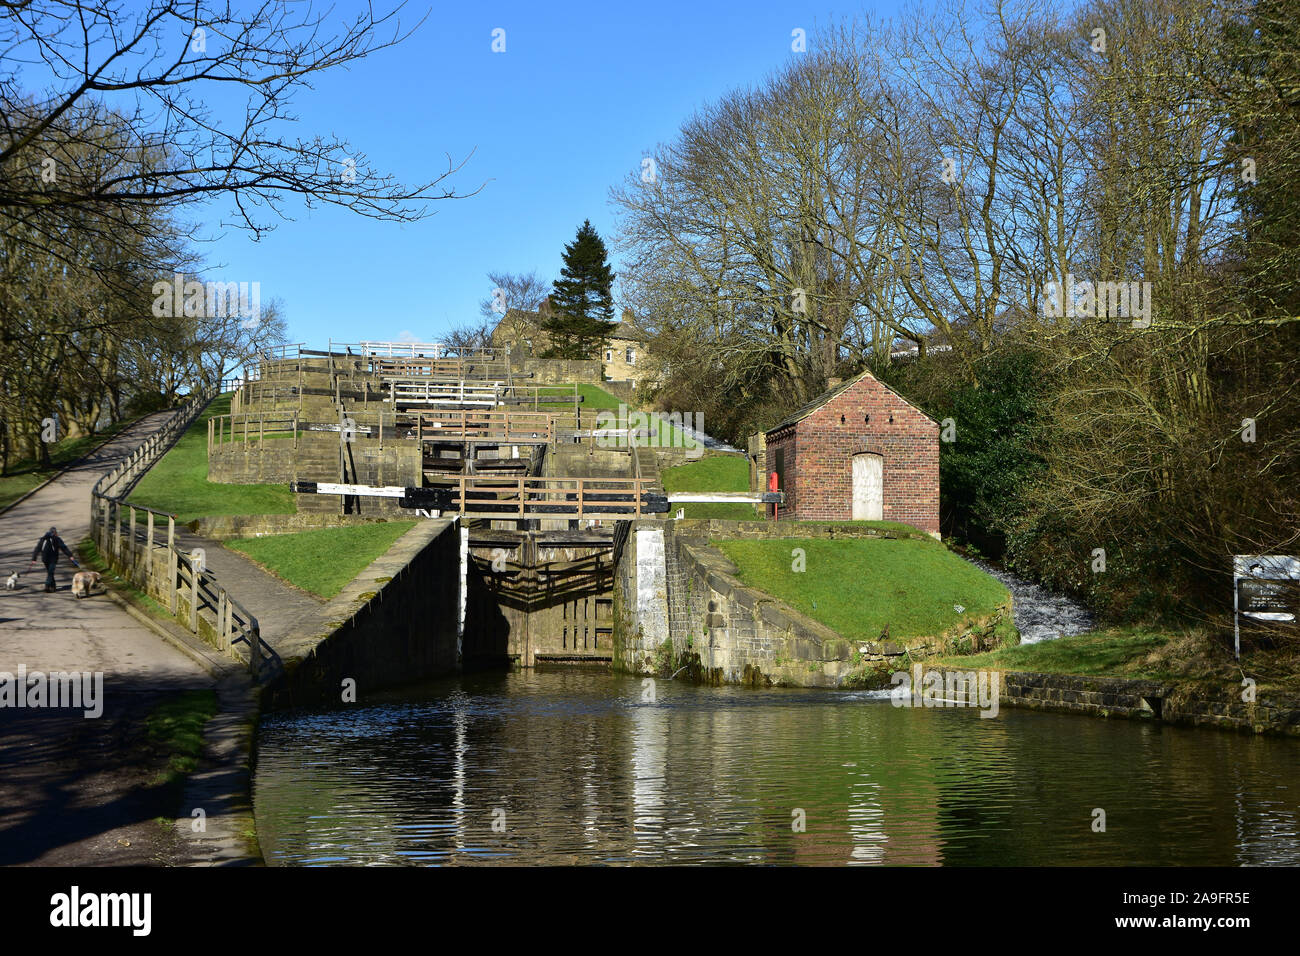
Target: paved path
{"x": 76, "y": 790}
{"x": 278, "y": 607}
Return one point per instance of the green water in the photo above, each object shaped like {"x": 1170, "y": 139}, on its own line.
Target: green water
{"x": 575, "y": 767}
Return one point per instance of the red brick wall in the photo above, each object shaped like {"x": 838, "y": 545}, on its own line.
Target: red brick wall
{"x": 819, "y": 457}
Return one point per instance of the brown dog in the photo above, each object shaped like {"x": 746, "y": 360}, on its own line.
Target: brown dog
{"x": 83, "y": 582}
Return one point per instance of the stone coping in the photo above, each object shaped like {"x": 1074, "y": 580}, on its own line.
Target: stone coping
{"x": 221, "y": 527}
{"x": 366, "y": 587}
{"x": 1185, "y": 703}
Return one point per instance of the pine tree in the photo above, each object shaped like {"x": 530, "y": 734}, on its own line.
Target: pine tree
{"x": 582, "y": 305}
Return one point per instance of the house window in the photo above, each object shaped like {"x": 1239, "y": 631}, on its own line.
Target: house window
{"x": 609, "y": 355}
{"x": 631, "y": 356}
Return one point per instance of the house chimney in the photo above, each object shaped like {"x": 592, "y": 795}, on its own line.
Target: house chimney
{"x": 833, "y": 381}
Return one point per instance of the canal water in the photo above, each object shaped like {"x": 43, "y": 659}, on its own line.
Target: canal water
{"x": 578, "y": 766}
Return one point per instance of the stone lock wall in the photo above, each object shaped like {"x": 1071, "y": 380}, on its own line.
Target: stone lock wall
{"x": 557, "y": 371}
{"x": 679, "y": 604}
{"x": 395, "y": 623}
{"x": 251, "y": 463}
{"x": 1195, "y": 704}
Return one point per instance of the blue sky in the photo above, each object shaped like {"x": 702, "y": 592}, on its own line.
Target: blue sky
{"x": 582, "y": 92}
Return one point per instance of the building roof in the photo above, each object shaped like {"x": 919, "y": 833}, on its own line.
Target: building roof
{"x": 627, "y": 331}
{"x": 834, "y": 392}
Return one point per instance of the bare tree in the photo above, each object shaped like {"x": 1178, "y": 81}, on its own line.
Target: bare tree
{"x": 523, "y": 291}
{"x": 150, "y": 68}
{"x": 107, "y": 140}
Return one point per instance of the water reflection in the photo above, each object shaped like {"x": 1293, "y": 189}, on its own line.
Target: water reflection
{"x": 572, "y": 767}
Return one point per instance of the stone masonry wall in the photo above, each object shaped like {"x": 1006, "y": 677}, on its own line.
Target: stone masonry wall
{"x": 395, "y": 623}
{"x": 1189, "y": 704}
{"x": 722, "y": 631}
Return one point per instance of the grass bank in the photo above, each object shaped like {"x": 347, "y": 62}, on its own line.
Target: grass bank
{"x": 179, "y": 481}
{"x": 27, "y": 474}
{"x": 718, "y": 473}
{"x": 1143, "y": 653}
{"x": 596, "y": 399}
{"x": 863, "y": 587}
{"x": 324, "y": 560}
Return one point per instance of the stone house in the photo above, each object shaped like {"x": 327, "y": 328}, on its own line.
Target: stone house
{"x": 624, "y": 353}
{"x": 858, "y": 451}
{"x": 622, "y": 356}
{"x": 521, "y": 331}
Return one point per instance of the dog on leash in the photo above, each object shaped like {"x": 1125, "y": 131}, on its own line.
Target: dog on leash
{"x": 83, "y": 582}
{"x": 11, "y": 583}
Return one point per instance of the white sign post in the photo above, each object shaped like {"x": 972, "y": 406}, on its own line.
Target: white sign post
{"x": 1261, "y": 567}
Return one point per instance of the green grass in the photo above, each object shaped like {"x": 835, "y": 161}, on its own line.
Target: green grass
{"x": 325, "y": 560}
{"x": 596, "y": 399}
{"x": 179, "y": 482}
{"x": 27, "y": 474}
{"x": 593, "y": 396}
{"x": 1114, "y": 652}
{"x": 176, "y": 728}
{"x": 720, "y": 473}
{"x": 860, "y": 586}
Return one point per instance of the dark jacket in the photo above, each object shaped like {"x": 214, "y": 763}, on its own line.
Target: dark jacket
{"x": 48, "y": 548}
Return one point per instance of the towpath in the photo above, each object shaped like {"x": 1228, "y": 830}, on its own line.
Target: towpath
{"x": 76, "y": 790}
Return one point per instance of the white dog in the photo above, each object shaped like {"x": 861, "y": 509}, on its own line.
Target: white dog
{"x": 83, "y": 582}
{"x": 11, "y": 583}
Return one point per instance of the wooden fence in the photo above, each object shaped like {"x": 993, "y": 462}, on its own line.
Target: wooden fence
{"x": 508, "y": 427}
{"x": 522, "y": 498}
{"x": 128, "y": 540}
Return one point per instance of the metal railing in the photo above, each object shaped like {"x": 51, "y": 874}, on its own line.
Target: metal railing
{"x": 436, "y": 350}
{"x": 421, "y": 391}
{"x": 405, "y": 392}
{"x": 131, "y": 550}
{"x": 243, "y": 428}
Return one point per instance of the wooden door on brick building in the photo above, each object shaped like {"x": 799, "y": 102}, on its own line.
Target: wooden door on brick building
{"x": 868, "y": 487}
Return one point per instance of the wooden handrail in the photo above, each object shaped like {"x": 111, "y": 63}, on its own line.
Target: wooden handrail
{"x": 132, "y": 555}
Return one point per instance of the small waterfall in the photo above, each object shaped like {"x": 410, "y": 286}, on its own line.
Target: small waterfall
{"x": 1041, "y": 615}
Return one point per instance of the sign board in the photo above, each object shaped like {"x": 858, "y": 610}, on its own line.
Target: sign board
{"x": 1265, "y": 589}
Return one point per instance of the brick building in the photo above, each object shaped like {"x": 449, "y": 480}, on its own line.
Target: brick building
{"x": 858, "y": 451}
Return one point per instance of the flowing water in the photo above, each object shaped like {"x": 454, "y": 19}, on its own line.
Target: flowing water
{"x": 574, "y": 766}
{"x": 1040, "y": 615}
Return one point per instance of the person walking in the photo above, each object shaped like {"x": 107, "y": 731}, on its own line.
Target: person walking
{"x": 47, "y": 549}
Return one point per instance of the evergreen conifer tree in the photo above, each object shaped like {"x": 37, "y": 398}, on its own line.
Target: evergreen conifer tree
{"x": 582, "y": 305}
